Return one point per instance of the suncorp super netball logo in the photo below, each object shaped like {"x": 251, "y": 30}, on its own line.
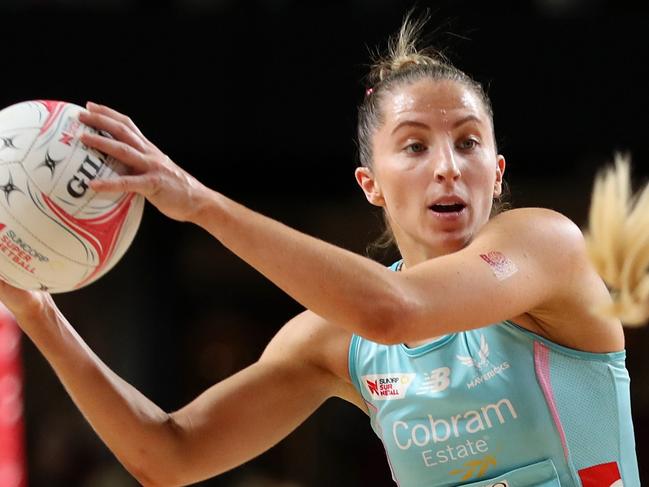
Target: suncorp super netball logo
{"x": 19, "y": 251}
{"x": 385, "y": 387}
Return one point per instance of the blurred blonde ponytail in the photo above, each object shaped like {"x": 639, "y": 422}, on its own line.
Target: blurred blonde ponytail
{"x": 618, "y": 242}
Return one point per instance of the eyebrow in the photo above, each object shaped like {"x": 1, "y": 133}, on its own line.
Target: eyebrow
{"x": 468, "y": 118}
{"x": 409, "y": 123}
{"x": 413, "y": 123}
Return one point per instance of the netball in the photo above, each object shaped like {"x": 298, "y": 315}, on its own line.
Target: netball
{"x": 56, "y": 233}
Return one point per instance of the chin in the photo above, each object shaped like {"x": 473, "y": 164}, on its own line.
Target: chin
{"x": 453, "y": 242}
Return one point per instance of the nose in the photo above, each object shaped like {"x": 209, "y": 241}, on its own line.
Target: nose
{"x": 446, "y": 168}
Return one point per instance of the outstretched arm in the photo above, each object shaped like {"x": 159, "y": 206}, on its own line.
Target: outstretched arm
{"x": 226, "y": 426}
{"x": 442, "y": 295}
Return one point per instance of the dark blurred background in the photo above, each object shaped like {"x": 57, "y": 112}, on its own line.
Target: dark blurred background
{"x": 258, "y": 100}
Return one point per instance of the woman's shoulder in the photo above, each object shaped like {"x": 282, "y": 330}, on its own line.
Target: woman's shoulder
{"x": 534, "y": 216}
{"x": 539, "y": 228}
{"x": 558, "y": 246}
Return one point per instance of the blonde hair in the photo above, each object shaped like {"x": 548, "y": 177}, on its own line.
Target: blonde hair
{"x": 618, "y": 242}
{"x": 403, "y": 52}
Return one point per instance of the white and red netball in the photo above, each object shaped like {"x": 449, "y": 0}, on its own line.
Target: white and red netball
{"x": 56, "y": 233}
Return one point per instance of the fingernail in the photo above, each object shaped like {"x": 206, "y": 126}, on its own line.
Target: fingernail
{"x": 90, "y": 104}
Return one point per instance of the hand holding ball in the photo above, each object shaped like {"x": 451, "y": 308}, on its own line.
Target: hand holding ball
{"x": 56, "y": 233}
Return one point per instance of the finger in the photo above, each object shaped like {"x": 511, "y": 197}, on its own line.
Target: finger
{"x": 114, "y": 114}
{"x": 124, "y": 184}
{"x": 115, "y": 128}
{"x": 125, "y": 153}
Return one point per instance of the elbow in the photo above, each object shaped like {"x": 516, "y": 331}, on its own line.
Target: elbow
{"x": 160, "y": 465}
{"x": 147, "y": 482}
{"x": 388, "y": 321}
{"x": 143, "y": 476}
{"x": 152, "y": 477}
{"x": 392, "y": 329}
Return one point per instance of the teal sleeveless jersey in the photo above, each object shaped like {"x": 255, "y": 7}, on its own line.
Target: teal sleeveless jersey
{"x": 498, "y": 406}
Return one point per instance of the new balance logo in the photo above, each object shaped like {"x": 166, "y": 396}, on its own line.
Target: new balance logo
{"x": 436, "y": 381}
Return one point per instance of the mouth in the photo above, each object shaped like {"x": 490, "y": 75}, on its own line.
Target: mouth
{"x": 448, "y": 208}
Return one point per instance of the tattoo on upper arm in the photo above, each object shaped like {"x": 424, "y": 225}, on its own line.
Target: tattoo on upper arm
{"x": 500, "y": 265}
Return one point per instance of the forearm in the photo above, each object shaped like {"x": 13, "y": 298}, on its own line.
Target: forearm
{"x": 134, "y": 428}
{"x": 345, "y": 288}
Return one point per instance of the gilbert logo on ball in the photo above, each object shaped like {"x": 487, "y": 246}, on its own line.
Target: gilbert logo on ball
{"x": 56, "y": 233}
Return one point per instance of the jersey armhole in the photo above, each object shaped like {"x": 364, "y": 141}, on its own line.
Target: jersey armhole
{"x": 352, "y": 360}
{"x": 609, "y": 357}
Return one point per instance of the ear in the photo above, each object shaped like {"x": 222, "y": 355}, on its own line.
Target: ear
{"x": 369, "y": 185}
{"x": 500, "y": 171}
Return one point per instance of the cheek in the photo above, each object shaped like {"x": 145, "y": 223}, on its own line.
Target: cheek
{"x": 486, "y": 191}
{"x": 481, "y": 180}
{"x": 484, "y": 174}
{"x": 404, "y": 188}
{"x": 400, "y": 180}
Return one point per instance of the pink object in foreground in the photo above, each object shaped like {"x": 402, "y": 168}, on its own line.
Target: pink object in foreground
{"x": 12, "y": 444}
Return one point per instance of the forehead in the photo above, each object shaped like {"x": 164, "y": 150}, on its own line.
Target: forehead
{"x": 442, "y": 100}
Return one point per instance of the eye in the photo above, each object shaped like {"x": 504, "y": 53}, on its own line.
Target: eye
{"x": 415, "y": 147}
{"x": 468, "y": 144}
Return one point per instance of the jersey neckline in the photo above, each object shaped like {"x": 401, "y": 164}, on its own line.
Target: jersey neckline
{"x": 427, "y": 347}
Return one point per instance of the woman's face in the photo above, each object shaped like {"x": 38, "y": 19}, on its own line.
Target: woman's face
{"x": 435, "y": 170}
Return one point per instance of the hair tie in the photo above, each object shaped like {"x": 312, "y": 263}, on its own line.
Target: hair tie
{"x": 369, "y": 91}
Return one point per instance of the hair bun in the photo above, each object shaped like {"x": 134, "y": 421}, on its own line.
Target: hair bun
{"x": 403, "y": 53}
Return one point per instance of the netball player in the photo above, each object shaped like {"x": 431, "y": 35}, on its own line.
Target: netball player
{"x": 478, "y": 356}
